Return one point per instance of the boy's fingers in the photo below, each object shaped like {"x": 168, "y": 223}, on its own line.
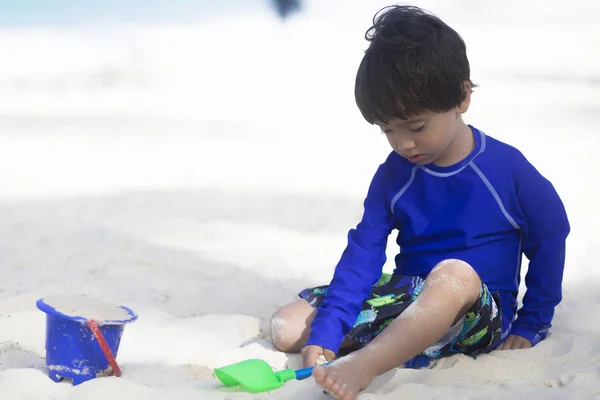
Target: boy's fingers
{"x": 508, "y": 344}
{"x": 514, "y": 342}
{"x": 524, "y": 343}
{"x": 329, "y": 355}
{"x": 308, "y": 359}
{"x": 310, "y": 355}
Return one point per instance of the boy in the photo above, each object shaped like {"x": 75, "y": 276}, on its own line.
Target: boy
{"x": 466, "y": 207}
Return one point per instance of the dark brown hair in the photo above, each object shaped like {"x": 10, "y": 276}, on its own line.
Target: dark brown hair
{"x": 414, "y": 63}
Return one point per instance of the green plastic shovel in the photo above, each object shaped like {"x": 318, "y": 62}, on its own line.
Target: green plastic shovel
{"x": 257, "y": 376}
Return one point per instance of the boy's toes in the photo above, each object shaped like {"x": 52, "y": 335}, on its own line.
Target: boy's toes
{"x": 330, "y": 380}
{"x": 343, "y": 392}
{"x": 337, "y": 387}
{"x": 319, "y": 374}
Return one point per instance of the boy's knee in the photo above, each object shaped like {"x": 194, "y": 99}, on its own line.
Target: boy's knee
{"x": 278, "y": 326}
{"x": 457, "y": 275}
{"x": 289, "y": 326}
{"x": 456, "y": 267}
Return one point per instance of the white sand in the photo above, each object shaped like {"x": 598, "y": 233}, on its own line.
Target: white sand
{"x": 204, "y": 192}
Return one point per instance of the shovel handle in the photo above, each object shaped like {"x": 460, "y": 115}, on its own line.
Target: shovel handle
{"x": 305, "y": 372}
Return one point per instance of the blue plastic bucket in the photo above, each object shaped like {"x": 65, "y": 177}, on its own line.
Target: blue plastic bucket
{"x": 72, "y": 352}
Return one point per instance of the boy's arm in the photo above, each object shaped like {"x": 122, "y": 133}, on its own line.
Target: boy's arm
{"x": 544, "y": 245}
{"x": 357, "y": 271}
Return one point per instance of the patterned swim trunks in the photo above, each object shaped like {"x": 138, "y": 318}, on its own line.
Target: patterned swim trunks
{"x": 478, "y": 331}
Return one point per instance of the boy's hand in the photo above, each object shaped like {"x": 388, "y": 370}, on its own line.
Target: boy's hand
{"x": 311, "y": 353}
{"x": 513, "y": 342}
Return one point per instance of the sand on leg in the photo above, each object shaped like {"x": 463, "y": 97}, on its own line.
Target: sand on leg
{"x": 450, "y": 290}
{"x": 290, "y": 327}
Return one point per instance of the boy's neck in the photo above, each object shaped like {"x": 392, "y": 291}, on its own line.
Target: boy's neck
{"x": 462, "y": 145}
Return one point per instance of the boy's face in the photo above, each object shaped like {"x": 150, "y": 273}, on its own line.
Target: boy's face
{"x": 439, "y": 138}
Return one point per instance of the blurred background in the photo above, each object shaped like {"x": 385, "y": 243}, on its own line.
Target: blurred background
{"x": 133, "y": 129}
{"x": 120, "y": 94}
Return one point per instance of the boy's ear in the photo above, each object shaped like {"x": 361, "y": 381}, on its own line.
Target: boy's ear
{"x": 464, "y": 106}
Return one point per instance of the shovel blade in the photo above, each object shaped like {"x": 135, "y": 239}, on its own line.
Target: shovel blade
{"x": 253, "y": 375}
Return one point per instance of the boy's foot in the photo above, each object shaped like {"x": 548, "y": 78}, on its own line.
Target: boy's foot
{"x": 343, "y": 379}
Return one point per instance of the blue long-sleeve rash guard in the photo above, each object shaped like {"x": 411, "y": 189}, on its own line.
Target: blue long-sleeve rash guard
{"x": 487, "y": 210}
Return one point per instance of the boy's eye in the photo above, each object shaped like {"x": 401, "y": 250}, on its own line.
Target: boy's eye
{"x": 418, "y": 128}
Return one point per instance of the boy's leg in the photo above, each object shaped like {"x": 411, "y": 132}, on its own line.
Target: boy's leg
{"x": 449, "y": 291}
{"x": 290, "y": 327}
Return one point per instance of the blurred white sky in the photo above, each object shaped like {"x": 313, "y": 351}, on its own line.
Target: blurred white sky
{"x": 77, "y": 12}
{"x": 250, "y": 87}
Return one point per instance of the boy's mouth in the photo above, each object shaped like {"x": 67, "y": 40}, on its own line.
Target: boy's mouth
{"x": 416, "y": 159}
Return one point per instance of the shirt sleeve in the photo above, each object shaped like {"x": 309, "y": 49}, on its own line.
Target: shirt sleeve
{"x": 358, "y": 269}
{"x": 544, "y": 245}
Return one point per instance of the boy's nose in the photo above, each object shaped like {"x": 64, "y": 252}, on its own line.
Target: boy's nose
{"x": 404, "y": 144}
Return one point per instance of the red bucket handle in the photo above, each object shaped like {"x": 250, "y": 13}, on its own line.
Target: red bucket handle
{"x": 104, "y": 346}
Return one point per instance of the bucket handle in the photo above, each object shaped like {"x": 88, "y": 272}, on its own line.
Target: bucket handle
{"x": 104, "y": 346}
